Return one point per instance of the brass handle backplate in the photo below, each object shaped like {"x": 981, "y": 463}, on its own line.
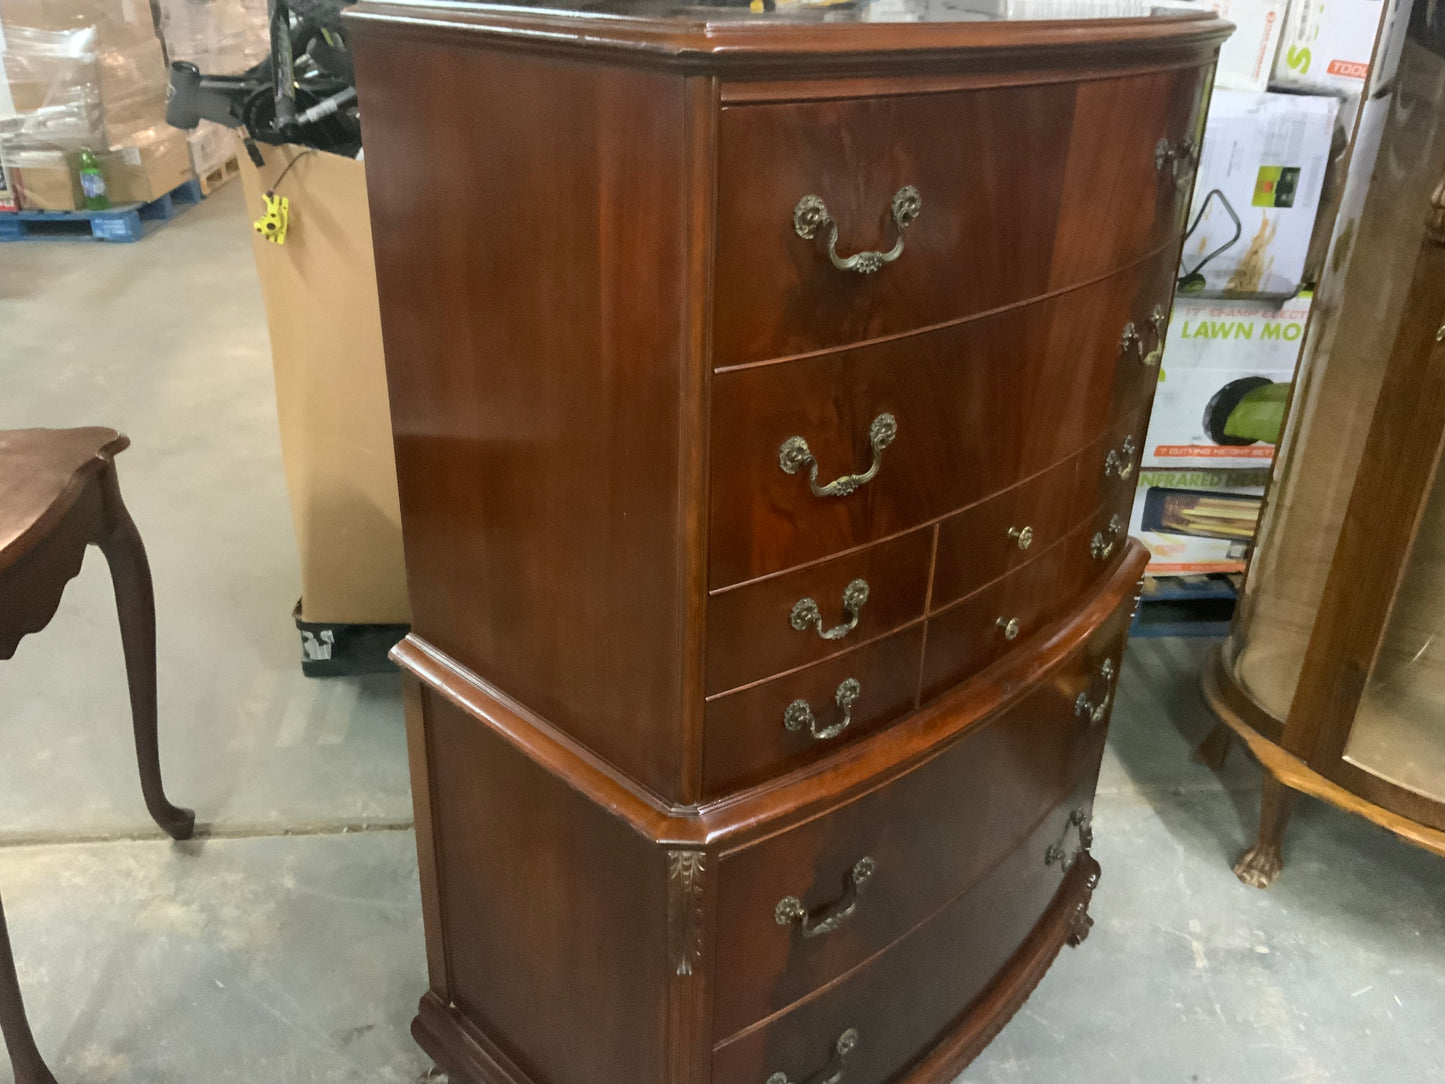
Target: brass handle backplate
{"x": 832, "y": 1073}
{"x": 795, "y": 454}
{"x": 1101, "y": 546}
{"x": 1023, "y": 536}
{"x": 1010, "y": 627}
{"x": 1131, "y": 341}
{"x": 1078, "y": 819}
{"x": 806, "y": 614}
{"x": 1094, "y": 711}
{"x": 1119, "y": 463}
{"x": 799, "y": 714}
{"x": 1179, "y": 157}
{"x": 829, "y": 917}
{"x": 811, "y": 214}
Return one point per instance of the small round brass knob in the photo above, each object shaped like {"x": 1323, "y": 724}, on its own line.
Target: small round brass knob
{"x": 1024, "y": 536}
{"x": 1010, "y": 626}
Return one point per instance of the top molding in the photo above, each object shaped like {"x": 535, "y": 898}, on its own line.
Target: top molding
{"x": 729, "y": 46}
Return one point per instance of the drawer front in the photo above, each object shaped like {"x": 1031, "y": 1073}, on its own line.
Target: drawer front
{"x": 760, "y": 732}
{"x": 777, "y": 624}
{"x": 1068, "y": 191}
{"x": 814, "y": 456}
{"x": 900, "y": 852}
{"x": 1109, "y": 469}
{"x": 998, "y": 535}
{"x": 967, "y": 636}
{"x": 907, "y": 999}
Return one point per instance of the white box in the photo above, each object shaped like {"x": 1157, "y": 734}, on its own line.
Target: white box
{"x": 1223, "y": 382}
{"x": 1247, "y": 57}
{"x": 1327, "y": 45}
{"x": 1256, "y": 195}
{"x": 1196, "y": 521}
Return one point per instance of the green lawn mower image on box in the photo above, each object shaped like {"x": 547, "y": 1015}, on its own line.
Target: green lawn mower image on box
{"x": 1249, "y": 410}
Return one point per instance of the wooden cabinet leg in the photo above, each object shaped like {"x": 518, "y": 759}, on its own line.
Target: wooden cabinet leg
{"x": 135, "y": 601}
{"x": 24, "y": 1056}
{"x": 1213, "y": 750}
{"x": 1259, "y": 865}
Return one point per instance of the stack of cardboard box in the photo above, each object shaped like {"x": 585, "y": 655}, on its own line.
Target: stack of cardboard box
{"x": 220, "y": 37}
{"x": 1290, "y": 114}
{"x": 85, "y": 75}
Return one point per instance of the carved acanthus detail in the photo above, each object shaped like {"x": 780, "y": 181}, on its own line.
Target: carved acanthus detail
{"x": 685, "y": 887}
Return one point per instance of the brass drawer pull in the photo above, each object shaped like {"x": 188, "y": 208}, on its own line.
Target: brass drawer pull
{"x": 1180, "y": 157}
{"x": 799, "y": 714}
{"x": 1023, "y": 536}
{"x": 1132, "y": 340}
{"x": 806, "y": 613}
{"x": 1101, "y": 546}
{"x": 829, "y": 917}
{"x": 1078, "y": 818}
{"x": 812, "y": 213}
{"x": 1086, "y": 708}
{"x": 795, "y": 454}
{"x": 1010, "y": 627}
{"x": 832, "y": 1073}
{"x": 1120, "y": 464}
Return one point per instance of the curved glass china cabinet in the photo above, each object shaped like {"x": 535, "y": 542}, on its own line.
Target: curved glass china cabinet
{"x": 1334, "y": 669}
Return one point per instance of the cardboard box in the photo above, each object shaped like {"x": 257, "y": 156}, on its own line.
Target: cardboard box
{"x": 1223, "y": 383}
{"x": 1195, "y": 521}
{"x": 1246, "y": 59}
{"x": 1328, "y": 45}
{"x": 118, "y": 22}
{"x": 1256, "y": 194}
{"x": 158, "y": 161}
{"x": 325, "y": 322}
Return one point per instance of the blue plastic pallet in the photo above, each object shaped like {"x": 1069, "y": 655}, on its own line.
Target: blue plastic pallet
{"x": 1185, "y": 606}
{"x": 125, "y": 223}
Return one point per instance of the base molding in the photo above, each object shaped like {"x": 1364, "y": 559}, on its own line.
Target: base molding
{"x": 468, "y": 1056}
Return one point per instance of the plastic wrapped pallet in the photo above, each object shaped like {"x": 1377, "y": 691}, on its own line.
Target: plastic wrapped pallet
{"x": 221, "y": 37}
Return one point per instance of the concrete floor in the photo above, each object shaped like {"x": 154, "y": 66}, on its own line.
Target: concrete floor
{"x": 286, "y": 947}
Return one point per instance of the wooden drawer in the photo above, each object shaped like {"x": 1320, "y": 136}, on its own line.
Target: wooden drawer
{"x": 1068, "y": 191}
{"x": 979, "y": 545}
{"x": 902, "y": 1001}
{"x": 1109, "y": 469}
{"x": 758, "y": 733}
{"x": 914, "y": 843}
{"x": 968, "y": 635}
{"x": 768, "y": 627}
{"x": 975, "y": 408}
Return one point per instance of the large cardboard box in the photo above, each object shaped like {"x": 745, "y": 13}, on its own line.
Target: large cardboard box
{"x": 1328, "y": 45}
{"x": 1223, "y": 383}
{"x": 1256, "y": 195}
{"x": 325, "y": 323}
{"x": 1246, "y": 58}
{"x": 156, "y": 162}
{"x": 1195, "y": 521}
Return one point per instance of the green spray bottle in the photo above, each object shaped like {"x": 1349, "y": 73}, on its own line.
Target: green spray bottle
{"x": 92, "y": 182}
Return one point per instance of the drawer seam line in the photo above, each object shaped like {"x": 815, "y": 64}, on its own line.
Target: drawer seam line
{"x": 957, "y": 321}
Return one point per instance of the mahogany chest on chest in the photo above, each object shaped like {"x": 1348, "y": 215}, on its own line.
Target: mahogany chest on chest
{"x": 767, "y": 391}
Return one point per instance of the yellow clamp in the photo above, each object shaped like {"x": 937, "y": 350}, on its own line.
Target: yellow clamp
{"x": 273, "y": 224}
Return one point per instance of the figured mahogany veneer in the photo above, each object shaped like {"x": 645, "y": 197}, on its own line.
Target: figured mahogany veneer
{"x": 694, "y": 805}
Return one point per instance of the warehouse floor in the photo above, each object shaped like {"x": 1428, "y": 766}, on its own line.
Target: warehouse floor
{"x": 285, "y": 946}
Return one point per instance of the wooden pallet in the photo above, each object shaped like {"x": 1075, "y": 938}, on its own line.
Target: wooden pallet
{"x": 125, "y": 223}
{"x": 218, "y": 175}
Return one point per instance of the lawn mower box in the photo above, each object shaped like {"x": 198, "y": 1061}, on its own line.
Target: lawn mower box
{"x": 1328, "y": 46}
{"x": 1256, "y": 194}
{"x": 1195, "y": 521}
{"x": 1223, "y": 383}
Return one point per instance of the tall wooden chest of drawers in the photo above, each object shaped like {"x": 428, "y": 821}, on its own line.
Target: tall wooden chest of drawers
{"x": 767, "y": 390}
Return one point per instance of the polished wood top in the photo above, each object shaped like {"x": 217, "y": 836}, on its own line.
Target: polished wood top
{"x": 42, "y": 471}
{"x": 733, "y": 37}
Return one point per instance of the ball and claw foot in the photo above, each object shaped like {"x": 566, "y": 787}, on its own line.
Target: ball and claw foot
{"x": 1259, "y": 866}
